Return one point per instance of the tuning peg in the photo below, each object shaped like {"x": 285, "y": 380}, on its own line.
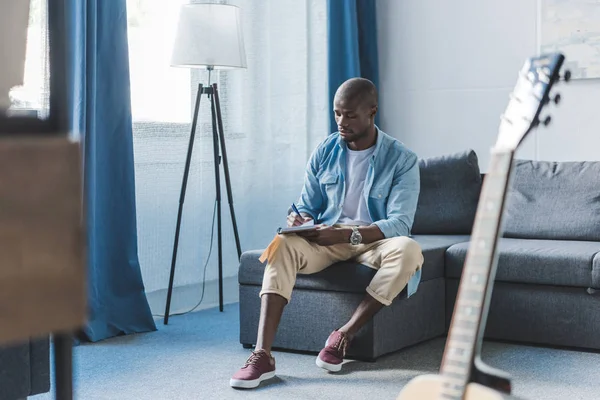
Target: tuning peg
{"x": 556, "y": 98}
{"x": 547, "y": 120}
{"x": 567, "y": 76}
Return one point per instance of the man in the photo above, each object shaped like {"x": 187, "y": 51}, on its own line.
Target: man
{"x": 362, "y": 186}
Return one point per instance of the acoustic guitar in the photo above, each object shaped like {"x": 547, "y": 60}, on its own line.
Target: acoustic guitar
{"x": 463, "y": 376}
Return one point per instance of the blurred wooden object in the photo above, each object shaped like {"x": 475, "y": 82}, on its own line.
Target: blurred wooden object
{"x": 42, "y": 266}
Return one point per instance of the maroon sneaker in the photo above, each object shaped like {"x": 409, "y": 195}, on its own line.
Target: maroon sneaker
{"x": 332, "y": 356}
{"x": 259, "y": 366}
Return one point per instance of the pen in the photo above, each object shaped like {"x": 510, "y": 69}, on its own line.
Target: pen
{"x": 295, "y": 209}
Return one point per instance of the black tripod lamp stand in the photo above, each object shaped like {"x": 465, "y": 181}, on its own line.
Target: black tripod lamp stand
{"x": 208, "y": 36}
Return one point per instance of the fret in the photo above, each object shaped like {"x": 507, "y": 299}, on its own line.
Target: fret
{"x": 454, "y": 368}
{"x": 454, "y": 384}
{"x": 452, "y": 379}
{"x": 467, "y": 318}
{"x": 475, "y": 287}
{"x": 488, "y": 226}
{"x": 477, "y": 264}
{"x": 469, "y": 302}
{"x": 451, "y": 396}
{"x": 456, "y": 393}
{"x": 476, "y": 253}
{"x": 462, "y": 331}
{"x": 489, "y": 214}
{"x": 461, "y": 344}
{"x": 470, "y": 294}
{"x": 465, "y": 324}
{"x": 456, "y": 351}
{"x": 466, "y": 339}
{"x": 461, "y": 341}
{"x": 459, "y": 378}
{"x": 463, "y": 361}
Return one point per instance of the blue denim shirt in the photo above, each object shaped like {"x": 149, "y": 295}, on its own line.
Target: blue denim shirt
{"x": 391, "y": 187}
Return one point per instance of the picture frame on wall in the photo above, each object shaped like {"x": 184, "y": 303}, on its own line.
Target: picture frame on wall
{"x": 572, "y": 27}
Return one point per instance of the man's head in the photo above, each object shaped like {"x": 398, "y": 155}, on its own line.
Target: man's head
{"x": 355, "y": 106}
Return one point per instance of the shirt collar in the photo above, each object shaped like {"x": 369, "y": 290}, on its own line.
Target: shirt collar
{"x": 378, "y": 143}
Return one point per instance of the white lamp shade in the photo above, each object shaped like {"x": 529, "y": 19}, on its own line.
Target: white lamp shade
{"x": 209, "y": 35}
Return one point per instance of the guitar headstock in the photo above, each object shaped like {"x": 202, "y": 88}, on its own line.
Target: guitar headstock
{"x": 530, "y": 95}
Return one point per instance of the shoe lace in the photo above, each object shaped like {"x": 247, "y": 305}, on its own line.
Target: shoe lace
{"x": 341, "y": 344}
{"x": 254, "y": 357}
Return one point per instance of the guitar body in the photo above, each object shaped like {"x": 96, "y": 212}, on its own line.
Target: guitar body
{"x": 430, "y": 387}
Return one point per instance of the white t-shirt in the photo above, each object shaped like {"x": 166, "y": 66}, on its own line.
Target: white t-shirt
{"x": 354, "y": 210}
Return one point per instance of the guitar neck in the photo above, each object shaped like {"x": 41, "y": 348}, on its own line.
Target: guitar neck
{"x": 472, "y": 303}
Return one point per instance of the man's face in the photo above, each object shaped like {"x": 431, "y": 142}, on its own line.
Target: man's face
{"x": 353, "y": 118}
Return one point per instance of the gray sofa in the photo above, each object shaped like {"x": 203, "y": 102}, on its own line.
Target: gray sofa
{"x": 24, "y": 369}
{"x": 548, "y": 269}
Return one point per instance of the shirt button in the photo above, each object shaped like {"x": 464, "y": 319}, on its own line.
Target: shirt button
{"x": 379, "y": 196}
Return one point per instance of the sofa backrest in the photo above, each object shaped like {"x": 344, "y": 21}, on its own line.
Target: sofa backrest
{"x": 450, "y": 187}
{"x": 554, "y": 200}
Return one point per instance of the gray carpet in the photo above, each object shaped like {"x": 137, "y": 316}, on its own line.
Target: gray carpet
{"x": 195, "y": 355}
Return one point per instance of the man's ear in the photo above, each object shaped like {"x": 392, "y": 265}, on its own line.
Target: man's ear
{"x": 373, "y": 111}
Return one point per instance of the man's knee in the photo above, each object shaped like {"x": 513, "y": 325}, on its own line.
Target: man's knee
{"x": 406, "y": 245}
{"x": 290, "y": 240}
{"x": 289, "y": 244}
{"x": 289, "y": 252}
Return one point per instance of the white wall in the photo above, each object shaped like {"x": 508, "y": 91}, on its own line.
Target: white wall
{"x": 447, "y": 68}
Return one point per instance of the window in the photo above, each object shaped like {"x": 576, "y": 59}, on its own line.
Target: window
{"x": 274, "y": 112}
{"x": 32, "y": 98}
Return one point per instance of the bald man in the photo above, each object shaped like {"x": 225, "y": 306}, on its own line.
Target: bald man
{"x": 361, "y": 186}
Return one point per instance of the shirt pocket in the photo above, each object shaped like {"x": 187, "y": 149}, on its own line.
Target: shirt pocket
{"x": 329, "y": 179}
{"x": 329, "y": 185}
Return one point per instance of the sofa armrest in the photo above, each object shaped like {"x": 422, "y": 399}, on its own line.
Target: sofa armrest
{"x": 14, "y": 372}
{"x": 25, "y": 369}
{"x": 39, "y": 351}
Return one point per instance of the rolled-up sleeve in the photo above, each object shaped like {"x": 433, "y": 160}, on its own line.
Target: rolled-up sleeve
{"x": 311, "y": 199}
{"x": 403, "y": 199}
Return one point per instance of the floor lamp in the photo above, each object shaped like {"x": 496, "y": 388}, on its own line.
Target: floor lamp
{"x": 208, "y": 36}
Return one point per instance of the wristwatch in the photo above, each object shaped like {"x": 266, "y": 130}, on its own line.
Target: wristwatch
{"x": 355, "y": 237}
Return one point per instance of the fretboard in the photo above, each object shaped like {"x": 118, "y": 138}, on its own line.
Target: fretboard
{"x": 474, "y": 293}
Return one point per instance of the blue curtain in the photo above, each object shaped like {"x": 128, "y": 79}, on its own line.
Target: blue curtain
{"x": 101, "y": 114}
{"x": 352, "y": 45}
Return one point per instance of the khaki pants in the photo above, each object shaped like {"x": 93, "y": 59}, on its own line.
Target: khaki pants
{"x": 395, "y": 259}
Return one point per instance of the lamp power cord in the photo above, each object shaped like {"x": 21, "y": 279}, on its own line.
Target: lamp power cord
{"x": 212, "y": 235}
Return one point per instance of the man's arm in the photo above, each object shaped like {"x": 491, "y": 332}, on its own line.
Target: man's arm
{"x": 402, "y": 201}
{"x": 311, "y": 199}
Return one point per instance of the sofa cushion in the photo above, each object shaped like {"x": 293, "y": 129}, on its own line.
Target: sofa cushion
{"x": 450, "y": 187}
{"x": 434, "y": 249}
{"x": 348, "y": 276}
{"x": 554, "y": 200}
{"x": 544, "y": 262}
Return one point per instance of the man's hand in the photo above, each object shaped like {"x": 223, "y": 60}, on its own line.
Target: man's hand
{"x": 296, "y": 220}
{"x": 327, "y": 235}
